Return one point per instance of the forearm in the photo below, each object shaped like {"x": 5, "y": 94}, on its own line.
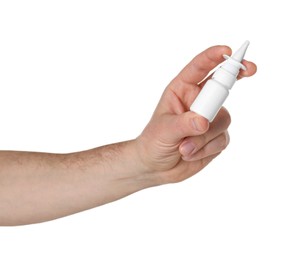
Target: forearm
{"x": 36, "y": 187}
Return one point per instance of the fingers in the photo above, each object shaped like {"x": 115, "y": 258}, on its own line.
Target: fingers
{"x": 213, "y": 141}
{"x": 177, "y": 127}
{"x": 200, "y": 66}
{"x": 215, "y": 146}
{"x": 250, "y": 69}
{"x": 184, "y": 86}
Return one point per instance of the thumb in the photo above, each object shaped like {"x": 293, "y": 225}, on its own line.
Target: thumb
{"x": 185, "y": 124}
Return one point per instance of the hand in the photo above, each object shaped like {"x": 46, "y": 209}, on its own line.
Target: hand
{"x": 177, "y": 143}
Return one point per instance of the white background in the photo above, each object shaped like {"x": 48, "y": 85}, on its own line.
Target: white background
{"x": 80, "y": 74}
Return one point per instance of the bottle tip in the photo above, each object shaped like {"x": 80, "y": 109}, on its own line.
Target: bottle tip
{"x": 246, "y": 42}
{"x": 240, "y": 53}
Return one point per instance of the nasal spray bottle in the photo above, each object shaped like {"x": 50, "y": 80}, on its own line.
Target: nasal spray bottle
{"x": 215, "y": 91}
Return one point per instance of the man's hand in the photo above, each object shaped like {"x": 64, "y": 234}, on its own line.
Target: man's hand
{"x": 177, "y": 143}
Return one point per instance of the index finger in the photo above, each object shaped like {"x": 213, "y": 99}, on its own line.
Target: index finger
{"x": 200, "y": 66}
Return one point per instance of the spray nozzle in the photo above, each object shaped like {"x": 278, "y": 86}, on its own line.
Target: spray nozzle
{"x": 239, "y": 55}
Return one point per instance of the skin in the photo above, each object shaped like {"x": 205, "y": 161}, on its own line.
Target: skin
{"x": 176, "y": 144}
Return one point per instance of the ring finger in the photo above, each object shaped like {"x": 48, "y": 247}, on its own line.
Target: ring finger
{"x": 215, "y": 146}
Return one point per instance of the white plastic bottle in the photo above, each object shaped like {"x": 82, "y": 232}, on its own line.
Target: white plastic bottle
{"x": 215, "y": 91}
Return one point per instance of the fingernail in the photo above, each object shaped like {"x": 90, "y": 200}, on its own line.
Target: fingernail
{"x": 187, "y": 148}
{"x": 197, "y": 125}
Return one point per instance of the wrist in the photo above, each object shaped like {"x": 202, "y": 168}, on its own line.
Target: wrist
{"x": 140, "y": 169}
{"x": 119, "y": 163}
{"x": 114, "y": 171}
